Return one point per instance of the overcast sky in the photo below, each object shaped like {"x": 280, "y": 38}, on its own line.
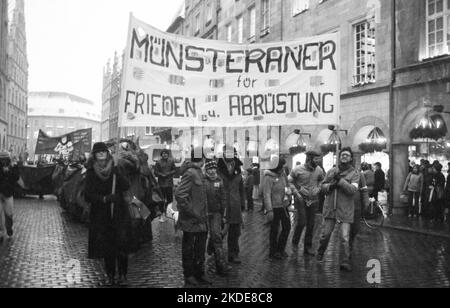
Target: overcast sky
{"x": 70, "y": 41}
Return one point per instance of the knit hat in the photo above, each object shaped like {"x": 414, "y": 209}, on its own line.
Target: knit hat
{"x": 312, "y": 154}
{"x": 212, "y": 164}
{"x": 99, "y": 147}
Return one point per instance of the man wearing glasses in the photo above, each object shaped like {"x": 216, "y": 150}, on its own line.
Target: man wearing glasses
{"x": 340, "y": 185}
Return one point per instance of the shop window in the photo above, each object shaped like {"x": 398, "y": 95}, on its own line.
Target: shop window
{"x": 265, "y": 17}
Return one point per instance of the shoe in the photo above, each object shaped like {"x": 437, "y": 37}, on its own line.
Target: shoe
{"x": 284, "y": 255}
{"x": 10, "y": 232}
{"x": 410, "y": 216}
{"x": 110, "y": 282}
{"x": 235, "y": 260}
{"x": 224, "y": 270}
{"x": 122, "y": 281}
{"x": 346, "y": 268}
{"x": 277, "y": 256}
{"x": 191, "y": 281}
{"x": 162, "y": 220}
{"x": 319, "y": 257}
{"x": 309, "y": 252}
{"x": 204, "y": 280}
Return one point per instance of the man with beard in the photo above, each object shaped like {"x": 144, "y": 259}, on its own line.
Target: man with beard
{"x": 340, "y": 186}
{"x": 229, "y": 170}
{"x": 305, "y": 183}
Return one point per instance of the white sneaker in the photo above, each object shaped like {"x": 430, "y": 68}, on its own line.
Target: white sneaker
{"x": 162, "y": 220}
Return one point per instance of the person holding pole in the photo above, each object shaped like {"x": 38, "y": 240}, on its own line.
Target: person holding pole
{"x": 340, "y": 186}
{"x": 109, "y": 218}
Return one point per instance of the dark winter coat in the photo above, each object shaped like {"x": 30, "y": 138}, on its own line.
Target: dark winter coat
{"x": 8, "y": 181}
{"x": 165, "y": 170}
{"x": 215, "y": 194}
{"x": 348, "y": 187}
{"x": 380, "y": 180}
{"x": 107, "y": 236}
{"x": 234, "y": 190}
{"x": 192, "y": 201}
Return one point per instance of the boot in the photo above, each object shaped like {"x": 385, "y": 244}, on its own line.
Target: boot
{"x": 9, "y": 225}
{"x": 222, "y": 267}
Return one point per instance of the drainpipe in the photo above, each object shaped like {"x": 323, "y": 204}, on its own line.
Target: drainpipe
{"x": 392, "y": 100}
{"x": 282, "y": 19}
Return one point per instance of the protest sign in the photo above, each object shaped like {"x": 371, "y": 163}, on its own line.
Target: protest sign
{"x": 175, "y": 81}
{"x": 73, "y": 144}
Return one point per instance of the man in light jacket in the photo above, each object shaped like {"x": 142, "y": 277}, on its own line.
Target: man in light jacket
{"x": 305, "y": 182}
{"x": 340, "y": 186}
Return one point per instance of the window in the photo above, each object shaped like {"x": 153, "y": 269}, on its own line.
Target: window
{"x": 365, "y": 64}
{"x": 265, "y": 17}
{"x": 299, "y": 6}
{"x": 438, "y": 27}
{"x": 229, "y": 33}
{"x": 240, "y": 29}
{"x": 209, "y": 12}
{"x": 197, "y": 24}
{"x": 148, "y": 131}
{"x": 252, "y": 15}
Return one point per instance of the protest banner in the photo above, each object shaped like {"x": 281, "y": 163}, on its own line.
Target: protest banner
{"x": 175, "y": 81}
{"x": 73, "y": 144}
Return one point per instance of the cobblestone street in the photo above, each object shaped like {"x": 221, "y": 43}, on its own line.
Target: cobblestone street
{"x": 47, "y": 244}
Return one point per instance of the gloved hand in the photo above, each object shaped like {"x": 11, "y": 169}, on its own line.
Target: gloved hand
{"x": 337, "y": 177}
{"x": 333, "y": 186}
{"x": 115, "y": 198}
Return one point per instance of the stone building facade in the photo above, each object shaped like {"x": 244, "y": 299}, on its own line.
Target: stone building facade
{"x": 3, "y": 73}
{"x": 366, "y": 70}
{"x": 422, "y": 80}
{"x": 18, "y": 78}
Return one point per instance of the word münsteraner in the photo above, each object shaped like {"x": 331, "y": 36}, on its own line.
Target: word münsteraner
{"x": 166, "y": 53}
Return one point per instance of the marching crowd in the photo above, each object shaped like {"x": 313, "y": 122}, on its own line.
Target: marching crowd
{"x": 214, "y": 193}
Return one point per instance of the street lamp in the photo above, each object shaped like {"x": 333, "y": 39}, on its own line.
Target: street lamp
{"x": 296, "y": 142}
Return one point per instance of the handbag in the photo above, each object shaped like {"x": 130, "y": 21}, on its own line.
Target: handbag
{"x": 404, "y": 198}
{"x": 138, "y": 210}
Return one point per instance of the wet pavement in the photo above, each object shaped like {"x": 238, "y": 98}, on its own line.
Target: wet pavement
{"x": 49, "y": 249}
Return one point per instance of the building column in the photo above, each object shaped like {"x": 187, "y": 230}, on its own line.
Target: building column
{"x": 400, "y": 172}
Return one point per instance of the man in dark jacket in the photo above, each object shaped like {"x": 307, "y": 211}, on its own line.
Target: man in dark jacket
{"x": 192, "y": 203}
{"x": 229, "y": 169}
{"x": 9, "y": 175}
{"x": 249, "y": 186}
{"x": 380, "y": 180}
{"x": 165, "y": 169}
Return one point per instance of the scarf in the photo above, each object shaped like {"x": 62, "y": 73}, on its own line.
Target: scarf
{"x": 103, "y": 173}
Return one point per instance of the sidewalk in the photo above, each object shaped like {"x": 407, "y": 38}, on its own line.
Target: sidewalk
{"x": 403, "y": 223}
{"x": 417, "y": 225}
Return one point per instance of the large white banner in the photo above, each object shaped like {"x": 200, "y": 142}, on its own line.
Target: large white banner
{"x": 176, "y": 81}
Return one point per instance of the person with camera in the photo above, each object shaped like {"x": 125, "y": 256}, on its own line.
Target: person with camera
{"x": 109, "y": 229}
{"x": 9, "y": 175}
{"x": 340, "y": 186}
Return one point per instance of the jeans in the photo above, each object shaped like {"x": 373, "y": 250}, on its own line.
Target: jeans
{"x": 278, "y": 242}
{"x": 250, "y": 204}
{"x": 6, "y": 215}
{"x": 305, "y": 217}
{"x": 111, "y": 261}
{"x": 193, "y": 253}
{"x": 167, "y": 193}
{"x": 355, "y": 228}
{"x": 233, "y": 241}
{"x": 215, "y": 243}
{"x": 327, "y": 231}
{"x": 413, "y": 203}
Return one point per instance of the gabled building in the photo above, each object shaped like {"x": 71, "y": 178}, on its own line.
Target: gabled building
{"x": 17, "y": 96}
{"x": 3, "y": 74}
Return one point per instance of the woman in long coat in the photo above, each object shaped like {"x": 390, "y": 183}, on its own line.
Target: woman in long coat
{"x": 110, "y": 226}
